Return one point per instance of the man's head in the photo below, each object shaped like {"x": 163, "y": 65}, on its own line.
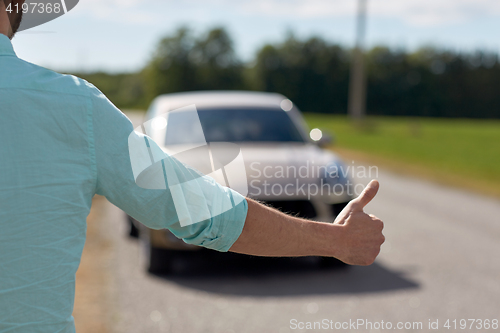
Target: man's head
{"x": 11, "y": 14}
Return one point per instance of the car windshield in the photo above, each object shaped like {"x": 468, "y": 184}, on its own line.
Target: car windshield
{"x": 236, "y": 125}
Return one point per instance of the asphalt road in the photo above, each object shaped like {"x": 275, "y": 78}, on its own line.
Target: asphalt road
{"x": 441, "y": 261}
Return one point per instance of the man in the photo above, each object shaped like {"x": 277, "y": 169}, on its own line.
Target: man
{"x": 61, "y": 142}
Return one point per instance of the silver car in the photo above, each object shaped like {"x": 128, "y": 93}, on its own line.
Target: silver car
{"x": 286, "y": 165}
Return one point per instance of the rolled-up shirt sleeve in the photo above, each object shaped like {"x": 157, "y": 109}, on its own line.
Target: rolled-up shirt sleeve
{"x": 110, "y": 132}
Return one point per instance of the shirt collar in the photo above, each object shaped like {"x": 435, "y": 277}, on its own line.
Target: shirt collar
{"x": 6, "y": 46}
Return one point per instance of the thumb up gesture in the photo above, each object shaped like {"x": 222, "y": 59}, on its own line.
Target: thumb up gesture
{"x": 362, "y": 233}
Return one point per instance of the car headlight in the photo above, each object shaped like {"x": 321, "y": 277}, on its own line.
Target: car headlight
{"x": 335, "y": 173}
{"x": 336, "y": 182}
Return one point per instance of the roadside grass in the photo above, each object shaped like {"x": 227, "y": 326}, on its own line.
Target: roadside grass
{"x": 459, "y": 152}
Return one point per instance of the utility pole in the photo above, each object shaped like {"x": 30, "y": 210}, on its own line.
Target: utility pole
{"x": 357, "y": 84}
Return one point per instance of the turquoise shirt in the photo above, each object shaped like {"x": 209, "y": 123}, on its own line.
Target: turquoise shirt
{"x": 61, "y": 142}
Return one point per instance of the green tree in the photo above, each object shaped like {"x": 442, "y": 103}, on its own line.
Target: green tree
{"x": 312, "y": 73}
{"x": 218, "y": 66}
{"x": 125, "y": 90}
{"x": 171, "y": 69}
{"x": 315, "y": 75}
{"x": 185, "y": 63}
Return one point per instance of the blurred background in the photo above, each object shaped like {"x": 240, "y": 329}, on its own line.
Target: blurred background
{"x": 410, "y": 86}
{"x": 422, "y": 61}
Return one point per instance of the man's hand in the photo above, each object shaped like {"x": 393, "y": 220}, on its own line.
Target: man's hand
{"x": 362, "y": 233}
{"x": 354, "y": 237}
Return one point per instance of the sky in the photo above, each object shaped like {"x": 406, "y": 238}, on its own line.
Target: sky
{"x": 120, "y": 35}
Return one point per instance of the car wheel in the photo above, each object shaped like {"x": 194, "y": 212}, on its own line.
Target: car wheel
{"x": 160, "y": 261}
{"x": 338, "y": 207}
{"x": 330, "y": 262}
{"x": 156, "y": 260}
{"x": 133, "y": 231}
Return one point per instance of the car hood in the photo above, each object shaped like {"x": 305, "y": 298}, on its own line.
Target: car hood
{"x": 294, "y": 165}
{"x": 272, "y": 168}
{"x": 294, "y": 159}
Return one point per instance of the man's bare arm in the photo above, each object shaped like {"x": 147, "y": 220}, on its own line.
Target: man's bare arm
{"x": 354, "y": 237}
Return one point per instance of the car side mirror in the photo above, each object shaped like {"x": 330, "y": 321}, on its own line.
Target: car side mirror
{"x": 321, "y": 138}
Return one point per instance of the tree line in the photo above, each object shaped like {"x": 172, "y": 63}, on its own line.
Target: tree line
{"x": 314, "y": 73}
